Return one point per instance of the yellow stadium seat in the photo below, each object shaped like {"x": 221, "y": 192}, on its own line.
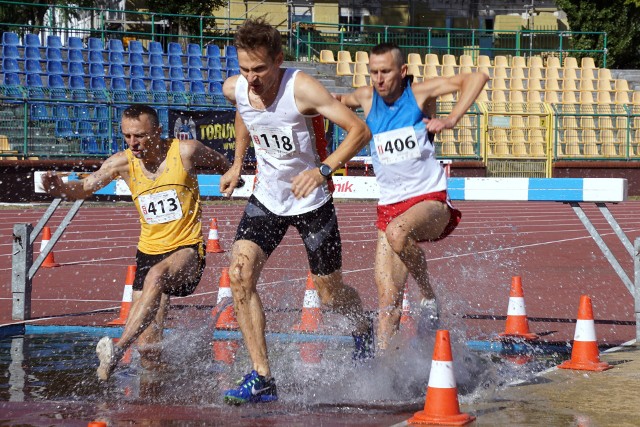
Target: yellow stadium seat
{"x": 535, "y": 73}
{"x": 569, "y": 74}
{"x": 604, "y": 98}
{"x": 362, "y": 57}
{"x": 587, "y": 62}
{"x": 569, "y": 85}
{"x": 415, "y": 71}
{"x": 431, "y": 59}
{"x": 498, "y": 95}
{"x": 501, "y": 148}
{"x": 500, "y": 73}
{"x": 484, "y": 61}
{"x": 552, "y": 73}
{"x": 448, "y": 71}
{"x": 604, "y": 73}
{"x": 621, "y": 85}
{"x": 498, "y": 84}
{"x": 590, "y": 142}
{"x": 414, "y": 58}
{"x": 343, "y": 69}
{"x": 500, "y": 61}
{"x": 569, "y": 97}
{"x": 484, "y": 70}
{"x": 570, "y": 62}
{"x": 570, "y": 122}
{"x": 622, "y": 98}
{"x": 551, "y": 84}
{"x": 534, "y": 96}
{"x": 518, "y": 122}
{"x": 587, "y": 73}
{"x": 535, "y": 62}
{"x": 534, "y": 122}
{"x": 604, "y": 85}
{"x": 465, "y": 70}
{"x": 483, "y": 96}
{"x": 361, "y": 68}
{"x": 466, "y": 61}
{"x": 516, "y": 96}
{"x": 586, "y": 98}
{"x": 359, "y": 80}
{"x": 636, "y": 98}
{"x": 467, "y": 148}
{"x": 516, "y": 84}
{"x": 571, "y": 143}
{"x": 519, "y": 149}
{"x": 449, "y": 60}
{"x": 430, "y": 71}
{"x": 518, "y": 62}
{"x": 449, "y": 148}
{"x": 605, "y": 122}
{"x": 587, "y": 123}
{"x": 537, "y": 149}
{"x": 586, "y": 85}
{"x": 553, "y": 62}
{"x": 534, "y": 84}
{"x": 326, "y": 57}
{"x": 517, "y": 73}
{"x": 551, "y": 97}
{"x": 344, "y": 56}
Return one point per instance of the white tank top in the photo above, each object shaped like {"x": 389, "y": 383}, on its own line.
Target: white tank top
{"x": 286, "y": 143}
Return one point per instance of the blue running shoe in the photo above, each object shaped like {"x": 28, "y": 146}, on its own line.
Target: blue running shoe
{"x": 363, "y": 344}
{"x": 253, "y": 388}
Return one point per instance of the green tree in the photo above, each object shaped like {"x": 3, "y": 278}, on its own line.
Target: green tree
{"x": 188, "y": 7}
{"x": 620, "y": 19}
{"x": 33, "y": 12}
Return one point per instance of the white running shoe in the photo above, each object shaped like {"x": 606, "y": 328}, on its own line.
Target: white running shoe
{"x": 429, "y": 315}
{"x": 106, "y": 352}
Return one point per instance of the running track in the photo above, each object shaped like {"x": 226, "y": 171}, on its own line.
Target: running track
{"x": 544, "y": 242}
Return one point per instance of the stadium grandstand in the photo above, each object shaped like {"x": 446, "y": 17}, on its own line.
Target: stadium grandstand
{"x": 549, "y": 109}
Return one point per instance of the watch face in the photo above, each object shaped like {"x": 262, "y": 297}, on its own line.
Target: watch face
{"x": 325, "y": 170}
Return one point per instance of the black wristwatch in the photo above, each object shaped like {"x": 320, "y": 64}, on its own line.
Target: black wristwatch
{"x": 325, "y": 170}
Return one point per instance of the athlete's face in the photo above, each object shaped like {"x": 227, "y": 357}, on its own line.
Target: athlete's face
{"x": 140, "y": 135}
{"x": 387, "y": 75}
{"x": 261, "y": 71}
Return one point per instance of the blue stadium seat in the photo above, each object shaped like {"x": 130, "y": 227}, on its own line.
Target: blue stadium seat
{"x": 194, "y": 62}
{"x": 10, "y": 65}
{"x": 230, "y": 52}
{"x": 159, "y": 89}
{"x": 54, "y": 67}
{"x": 179, "y": 92}
{"x": 215, "y": 75}
{"x": 136, "y": 72}
{"x": 135, "y": 46}
{"x": 96, "y": 56}
{"x": 54, "y": 42}
{"x": 56, "y": 86}
{"x": 76, "y": 69}
{"x": 81, "y": 112}
{"x": 32, "y": 66}
{"x": 98, "y": 86}
{"x": 32, "y": 52}
{"x": 163, "y": 116}
{"x": 96, "y": 70}
{"x": 103, "y": 129}
{"x": 115, "y": 45}
{"x": 156, "y": 59}
{"x": 194, "y": 74}
{"x": 156, "y": 73}
{"x": 75, "y": 55}
{"x": 64, "y": 129}
{"x": 213, "y": 51}
{"x": 175, "y": 61}
{"x": 232, "y": 64}
{"x": 75, "y": 43}
{"x": 232, "y": 72}
{"x": 119, "y": 89}
{"x": 9, "y": 38}
{"x": 174, "y": 49}
{"x": 155, "y": 48}
{"x": 39, "y": 111}
{"x": 35, "y": 88}
{"x": 96, "y": 44}
{"x": 194, "y": 49}
{"x": 135, "y": 58}
{"x": 116, "y": 70}
{"x": 54, "y": 54}
{"x": 78, "y": 88}
{"x": 176, "y": 73}
{"x": 60, "y": 112}
{"x": 10, "y": 51}
{"x": 13, "y": 85}
{"x": 139, "y": 90}
{"x": 198, "y": 95}
{"x": 116, "y": 58}
{"x": 32, "y": 40}
{"x": 102, "y": 112}
{"x": 215, "y": 88}
{"x": 214, "y": 63}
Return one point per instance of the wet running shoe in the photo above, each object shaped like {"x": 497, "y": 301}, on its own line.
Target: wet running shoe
{"x": 363, "y": 344}
{"x": 429, "y": 318}
{"x": 108, "y": 354}
{"x": 253, "y": 388}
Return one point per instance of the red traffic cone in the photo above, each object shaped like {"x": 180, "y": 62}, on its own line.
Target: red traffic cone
{"x": 311, "y": 352}
{"x": 213, "y": 242}
{"x": 311, "y": 313}
{"x": 97, "y": 424}
{"x": 441, "y": 404}
{"x": 49, "y": 261}
{"x": 127, "y": 297}
{"x": 407, "y": 322}
{"x": 225, "y": 351}
{"x": 517, "y": 323}
{"x": 227, "y": 319}
{"x": 585, "y": 355}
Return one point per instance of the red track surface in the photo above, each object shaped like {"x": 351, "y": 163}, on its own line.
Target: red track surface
{"x": 544, "y": 242}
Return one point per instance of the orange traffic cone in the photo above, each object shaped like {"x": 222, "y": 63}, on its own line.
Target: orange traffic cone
{"x": 227, "y": 319}
{"x": 127, "y": 297}
{"x": 49, "y": 261}
{"x": 584, "y": 354}
{"x": 213, "y": 242}
{"x": 311, "y": 352}
{"x": 97, "y": 424}
{"x": 407, "y": 322}
{"x": 517, "y": 324}
{"x": 225, "y": 351}
{"x": 311, "y": 313}
{"x": 441, "y": 404}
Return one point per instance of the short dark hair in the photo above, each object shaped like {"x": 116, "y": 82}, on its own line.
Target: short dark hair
{"x": 382, "y": 48}
{"x": 135, "y": 111}
{"x": 256, "y": 33}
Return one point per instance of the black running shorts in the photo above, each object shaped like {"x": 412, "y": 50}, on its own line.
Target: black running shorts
{"x": 144, "y": 262}
{"x": 318, "y": 229}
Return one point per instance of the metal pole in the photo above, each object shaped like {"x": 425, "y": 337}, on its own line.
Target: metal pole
{"x": 636, "y": 295}
{"x": 20, "y": 280}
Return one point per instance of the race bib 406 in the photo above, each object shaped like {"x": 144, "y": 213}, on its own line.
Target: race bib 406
{"x": 397, "y": 145}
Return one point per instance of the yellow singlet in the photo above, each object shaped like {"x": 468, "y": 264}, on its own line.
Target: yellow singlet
{"x": 169, "y": 206}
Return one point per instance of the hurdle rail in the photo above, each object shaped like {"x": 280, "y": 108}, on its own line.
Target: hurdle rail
{"x": 573, "y": 191}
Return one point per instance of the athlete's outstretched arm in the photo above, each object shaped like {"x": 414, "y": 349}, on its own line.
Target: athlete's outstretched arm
{"x": 229, "y": 181}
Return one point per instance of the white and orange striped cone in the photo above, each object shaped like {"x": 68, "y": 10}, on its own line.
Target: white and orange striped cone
{"x": 49, "y": 261}
{"x": 585, "y": 355}
{"x": 213, "y": 241}
{"x": 224, "y": 351}
{"x": 311, "y": 312}
{"x": 407, "y": 322}
{"x": 517, "y": 324}
{"x": 311, "y": 352}
{"x": 227, "y": 319}
{"x": 441, "y": 404}
{"x": 127, "y": 297}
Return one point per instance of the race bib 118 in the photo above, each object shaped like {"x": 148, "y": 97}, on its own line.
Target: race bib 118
{"x": 277, "y": 142}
